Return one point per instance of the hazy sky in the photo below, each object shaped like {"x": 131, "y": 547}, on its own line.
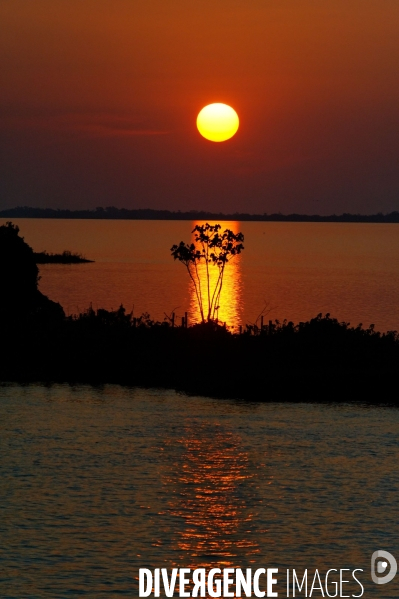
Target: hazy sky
{"x": 99, "y": 100}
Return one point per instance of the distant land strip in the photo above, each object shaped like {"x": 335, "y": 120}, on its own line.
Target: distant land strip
{"x": 150, "y": 214}
{"x": 65, "y": 258}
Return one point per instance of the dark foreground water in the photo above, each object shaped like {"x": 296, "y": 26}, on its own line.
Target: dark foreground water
{"x": 96, "y": 483}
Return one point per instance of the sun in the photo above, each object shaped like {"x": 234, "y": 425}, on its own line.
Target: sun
{"x": 217, "y": 122}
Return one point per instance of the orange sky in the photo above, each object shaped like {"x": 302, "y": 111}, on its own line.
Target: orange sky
{"x": 99, "y": 100}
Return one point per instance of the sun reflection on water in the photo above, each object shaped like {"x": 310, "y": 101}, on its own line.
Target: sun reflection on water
{"x": 231, "y": 301}
{"x": 207, "y": 496}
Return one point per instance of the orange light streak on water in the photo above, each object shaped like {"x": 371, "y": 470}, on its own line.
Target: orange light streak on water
{"x": 205, "y": 496}
{"x": 231, "y": 298}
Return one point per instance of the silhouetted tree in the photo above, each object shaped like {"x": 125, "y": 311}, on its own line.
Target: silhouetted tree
{"x": 214, "y": 249}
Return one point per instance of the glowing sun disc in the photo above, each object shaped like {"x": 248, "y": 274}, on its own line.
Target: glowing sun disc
{"x": 217, "y": 122}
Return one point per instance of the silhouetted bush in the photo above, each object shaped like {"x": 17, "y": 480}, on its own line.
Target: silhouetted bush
{"x": 321, "y": 359}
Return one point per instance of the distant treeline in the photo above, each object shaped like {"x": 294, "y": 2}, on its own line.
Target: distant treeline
{"x": 149, "y": 214}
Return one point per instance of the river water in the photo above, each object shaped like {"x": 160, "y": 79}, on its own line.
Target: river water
{"x": 287, "y": 270}
{"x": 99, "y": 482}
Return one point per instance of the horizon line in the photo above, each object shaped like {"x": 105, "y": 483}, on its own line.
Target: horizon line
{"x": 114, "y": 213}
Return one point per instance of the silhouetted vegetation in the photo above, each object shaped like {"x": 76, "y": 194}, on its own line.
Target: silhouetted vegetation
{"x": 65, "y": 258}
{"x": 148, "y": 214}
{"x": 321, "y": 359}
{"x": 214, "y": 250}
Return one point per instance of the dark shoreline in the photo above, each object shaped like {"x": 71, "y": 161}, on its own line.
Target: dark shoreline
{"x": 320, "y": 360}
{"x": 112, "y": 213}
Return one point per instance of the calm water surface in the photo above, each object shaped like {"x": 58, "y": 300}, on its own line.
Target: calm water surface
{"x": 295, "y": 270}
{"x": 96, "y": 483}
